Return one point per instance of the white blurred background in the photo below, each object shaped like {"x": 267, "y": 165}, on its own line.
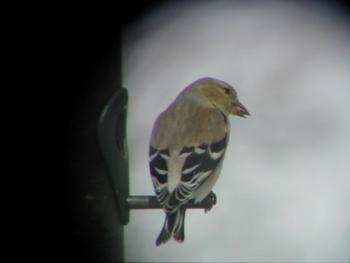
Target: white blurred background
{"x": 284, "y": 192}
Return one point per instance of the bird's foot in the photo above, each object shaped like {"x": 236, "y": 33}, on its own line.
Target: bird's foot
{"x": 209, "y": 201}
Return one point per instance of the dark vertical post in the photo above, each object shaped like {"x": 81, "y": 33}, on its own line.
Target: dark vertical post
{"x": 95, "y": 229}
{"x": 113, "y": 142}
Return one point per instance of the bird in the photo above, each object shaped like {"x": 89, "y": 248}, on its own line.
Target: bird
{"x": 187, "y": 148}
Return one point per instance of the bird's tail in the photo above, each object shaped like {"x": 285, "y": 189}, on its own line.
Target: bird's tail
{"x": 174, "y": 226}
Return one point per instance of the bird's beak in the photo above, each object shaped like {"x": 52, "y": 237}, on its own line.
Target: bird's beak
{"x": 242, "y": 111}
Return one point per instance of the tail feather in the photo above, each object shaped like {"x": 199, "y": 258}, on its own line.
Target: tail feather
{"x": 179, "y": 232}
{"x": 173, "y": 226}
{"x": 164, "y": 236}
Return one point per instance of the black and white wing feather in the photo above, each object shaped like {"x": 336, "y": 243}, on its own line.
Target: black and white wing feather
{"x": 159, "y": 172}
{"x": 200, "y": 162}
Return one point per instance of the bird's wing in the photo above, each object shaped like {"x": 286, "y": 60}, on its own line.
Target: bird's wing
{"x": 200, "y": 163}
{"x": 159, "y": 173}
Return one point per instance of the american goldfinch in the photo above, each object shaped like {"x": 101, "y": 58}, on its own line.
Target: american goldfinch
{"x": 187, "y": 149}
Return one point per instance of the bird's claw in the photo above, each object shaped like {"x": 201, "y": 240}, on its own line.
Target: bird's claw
{"x": 209, "y": 201}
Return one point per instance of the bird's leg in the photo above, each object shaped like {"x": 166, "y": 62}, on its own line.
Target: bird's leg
{"x": 209, "y": 201}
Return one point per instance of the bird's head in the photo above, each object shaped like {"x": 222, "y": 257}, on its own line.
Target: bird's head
{"x": 221, "y": 95}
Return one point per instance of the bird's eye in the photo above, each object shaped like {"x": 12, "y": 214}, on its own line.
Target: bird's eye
{"x": 227, "y": 91}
